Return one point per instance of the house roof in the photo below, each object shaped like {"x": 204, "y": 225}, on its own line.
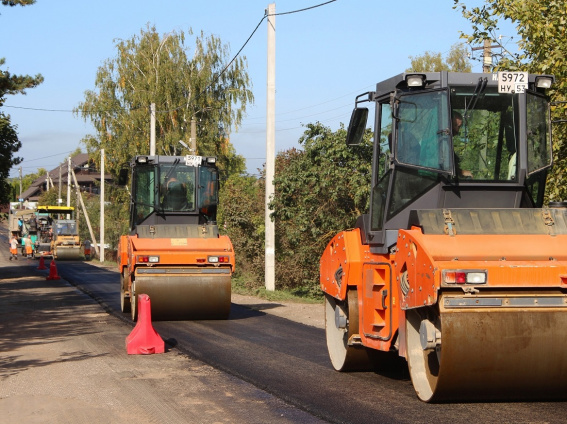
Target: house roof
{"x": 78, "y": 163}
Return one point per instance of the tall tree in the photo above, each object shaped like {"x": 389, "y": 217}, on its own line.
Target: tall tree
{"x": 9, "y": 142}
{"x": 183, "y": 84}
{"x": 9, "y": 146}
{"x": 457, "y": 61}
{"x": 543, "y": 48}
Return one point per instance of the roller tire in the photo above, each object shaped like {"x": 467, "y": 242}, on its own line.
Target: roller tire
{"x": 424, "y": 365}
{"x": 345, "y": 357}
{"x": 133, "y": 303}
{"x": 124, "y": 300}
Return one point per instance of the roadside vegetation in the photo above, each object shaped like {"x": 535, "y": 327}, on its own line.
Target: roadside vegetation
{"x": 321, "y": 187}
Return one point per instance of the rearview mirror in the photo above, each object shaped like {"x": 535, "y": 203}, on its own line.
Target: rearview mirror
{"x": 356, "y": 126}
{"x": 123, "y": 176}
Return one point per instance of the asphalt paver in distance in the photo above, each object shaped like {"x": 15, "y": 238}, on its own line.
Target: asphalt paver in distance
{"x": 63, "y": 360}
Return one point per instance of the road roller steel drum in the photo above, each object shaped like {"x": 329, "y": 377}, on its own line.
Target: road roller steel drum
{"x": 494, "y": 346}
{"x": 68, "y": 253}
{"x": 186, "y": 293}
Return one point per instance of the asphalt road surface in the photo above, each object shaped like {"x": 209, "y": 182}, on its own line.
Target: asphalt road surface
{"x": 289, "y": 360}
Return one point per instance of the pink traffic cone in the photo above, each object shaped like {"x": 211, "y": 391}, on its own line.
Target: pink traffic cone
{"x": 41, "y": 263}
{"x": 52, "y": 272}
{"x": 144, "y": 340}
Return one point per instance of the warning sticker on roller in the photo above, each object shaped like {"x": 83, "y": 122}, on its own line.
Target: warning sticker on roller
{"x": 179, "y": 242}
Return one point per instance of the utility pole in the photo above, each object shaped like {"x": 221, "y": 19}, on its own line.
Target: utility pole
{"x": 152, "y": 129}
{"x": 69, "y": 184}
{"x": 101, "y": 256}
{"x": 20, "y": 184}
{"x": 59, "y": 200}
{"x": 68, "y": 181}
{"x": 486, "y": 55}
{"x": 80, "y": 197}
{"x": 193, "y": 141}
{"x": 270, "y": 254}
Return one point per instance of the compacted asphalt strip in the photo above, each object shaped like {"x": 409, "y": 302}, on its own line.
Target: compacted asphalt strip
{"x": 63, "y": 359}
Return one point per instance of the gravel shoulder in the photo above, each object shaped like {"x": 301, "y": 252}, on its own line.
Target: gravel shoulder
{"x": 63, "y": 359}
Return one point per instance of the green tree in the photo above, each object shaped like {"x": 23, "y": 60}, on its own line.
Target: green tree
{"x": 183, "y": 84}
{"x": 241, "y": 217}
{"x": 28, "y": 179}
{"x": 543, "y": 50}
{"x": 9, "y": 146}
{"x": 457, "y": 61}
{"x": 320, "y": 191}
{"x": 9, "y": 142}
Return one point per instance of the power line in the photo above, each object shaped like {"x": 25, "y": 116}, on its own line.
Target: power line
{"x": 303, "y": 10}
{"x": 50, "y": 156}
{"x": 199, "y": 94}
{"x": 206, "y": 88}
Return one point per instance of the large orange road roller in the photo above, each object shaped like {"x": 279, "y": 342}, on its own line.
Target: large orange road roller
{"x": 458, "y": 267}
{"x": 174, "y": 252}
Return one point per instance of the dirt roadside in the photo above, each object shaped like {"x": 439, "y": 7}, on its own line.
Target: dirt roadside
{"x": 63, "y": 359}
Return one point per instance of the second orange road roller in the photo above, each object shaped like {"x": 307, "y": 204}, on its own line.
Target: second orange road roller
{"x": 174, "y": 252}
{"x": 459, "y": 266}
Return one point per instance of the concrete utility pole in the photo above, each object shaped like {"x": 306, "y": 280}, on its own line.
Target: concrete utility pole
{"x": 101, "y": 256}
{"x": 487, "y": 61}
{"x": 69, "y": 185}
{"x": 68, "y": 181}
{"x": 20, "y": 184}
{"x": 193, "y": 136}
{"x": 59, "y": 200}
{"x": 486, "y": 55}
{"x": 152, "y": 129}
{"x": 270, "y": 245}
{"x": 80, "y": 197}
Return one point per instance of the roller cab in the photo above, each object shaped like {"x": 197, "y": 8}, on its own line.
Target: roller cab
{"x": 66, "y": 243}
{"x": 58, "y": 233}
{"x": 459, "y": 267}
{"x": 174, "y": 252}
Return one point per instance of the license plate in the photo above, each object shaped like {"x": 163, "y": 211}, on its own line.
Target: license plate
{"x": 512, "y": 82}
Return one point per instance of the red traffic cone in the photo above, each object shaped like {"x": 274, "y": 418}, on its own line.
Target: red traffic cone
{"x": 41, "y": 263}
{"x": 144, "y": 340}
{"x": 52, "y": 272}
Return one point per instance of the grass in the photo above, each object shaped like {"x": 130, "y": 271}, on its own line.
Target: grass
{"x": 301, "y": 295}
{"x": 105, "y": 264}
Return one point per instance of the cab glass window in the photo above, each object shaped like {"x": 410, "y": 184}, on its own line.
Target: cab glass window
{"x": 208, "y": 192}
{"x": 538, "y": 133}
{"x": 385, "y": 138}
{"x": 485, "y": 132}
{"x": 177, "y": 187}
{"x": 422, "y": 131}
{"x": 379, "y": 193}
{"x": 144, "y": 189}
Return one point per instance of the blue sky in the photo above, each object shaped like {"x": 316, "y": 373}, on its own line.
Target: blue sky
{"x": 324, "y": 58}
